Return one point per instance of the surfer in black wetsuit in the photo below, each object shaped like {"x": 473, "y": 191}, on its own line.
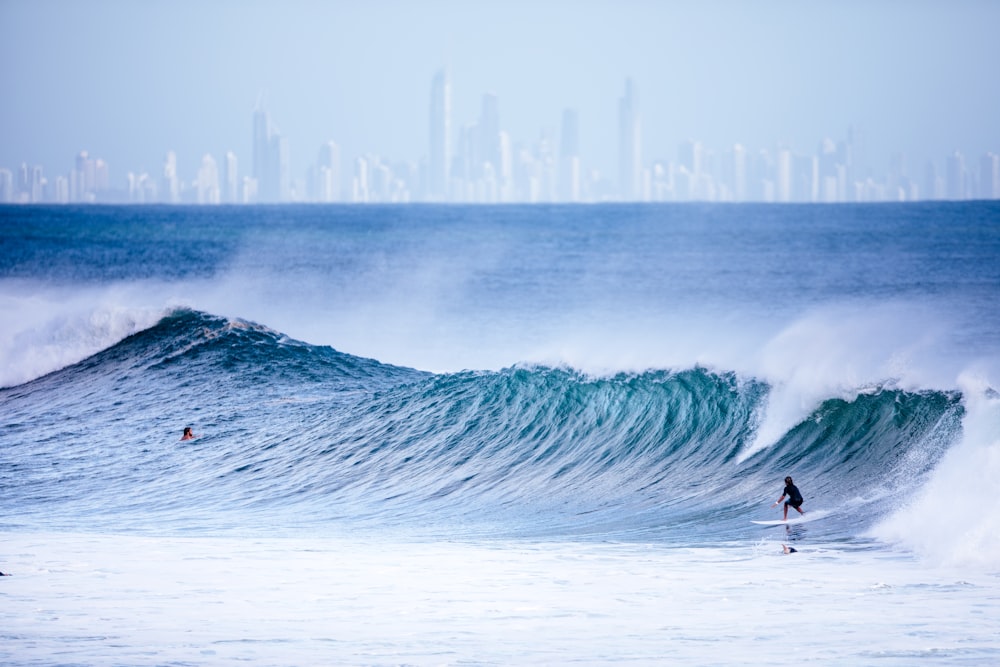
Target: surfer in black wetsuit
{"x": 794, "y": 498}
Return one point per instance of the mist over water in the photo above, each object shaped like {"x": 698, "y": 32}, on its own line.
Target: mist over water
{"x": 887, "y": 295}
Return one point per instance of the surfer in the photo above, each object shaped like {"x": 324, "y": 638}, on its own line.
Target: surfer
{"x": 188, "y": 435}
{"x": 788, "y": 550}
{"x": 794, "y": 498}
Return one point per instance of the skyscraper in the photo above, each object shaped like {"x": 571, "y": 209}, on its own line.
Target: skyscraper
{"x": 170, "y": 191}
{"x": 489, "y": 135}
{"x": 569, "y": 157}
{"x": 230, "y": 179}
{"x": 327, "y": 187}
{"x": 271, "y": 163}
{"x": 783, "y": 176}
{"x": 629, "y": 144}
{"x": 207, "y": 183}
{"x": 261, "y": 152}
{"x": 440, "y": 137}
{"x": 738, "y": 173}
{"x": 83, "y": 177}
{"x": 955, "y": 179}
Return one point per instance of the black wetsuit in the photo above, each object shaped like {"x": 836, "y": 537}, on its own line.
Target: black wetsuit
{"x": 794, "y": 497}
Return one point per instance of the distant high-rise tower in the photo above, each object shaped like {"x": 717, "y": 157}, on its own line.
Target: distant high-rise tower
{"x": 955, "y": 180}
{"x": 569, "y": 157}
{"x": 691, "y": 156}
{"x": 440, "y": 138}
{"x": 230, "y": 179}
{"x": 738, "y": 175}
{"x": 271, "y": 167}
{"x": 170, "y": 191}
{"x": 261, "y": 150}
{"x": 207, "y": 184}
{"x": 629, "y": 144}
{"x": 489, "y": 134}
{"x": 328, "y": 173}
{"x": 783, "y": 176}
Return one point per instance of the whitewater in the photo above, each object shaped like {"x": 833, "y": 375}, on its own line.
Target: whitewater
{"x": 441, "y": 435}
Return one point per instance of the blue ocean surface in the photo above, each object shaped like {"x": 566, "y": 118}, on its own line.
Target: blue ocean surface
{"x": 499, "y": 435}
{"x": 596, "y": 372}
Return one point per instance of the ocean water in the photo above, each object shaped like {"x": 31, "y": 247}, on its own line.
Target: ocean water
{"x": 447, "y": 435}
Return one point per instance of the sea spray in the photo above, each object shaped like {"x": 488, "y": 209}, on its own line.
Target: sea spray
{"x": 955, "y": 518}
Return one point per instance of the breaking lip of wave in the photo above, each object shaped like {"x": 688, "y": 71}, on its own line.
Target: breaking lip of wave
{"x": 823, "y": 350}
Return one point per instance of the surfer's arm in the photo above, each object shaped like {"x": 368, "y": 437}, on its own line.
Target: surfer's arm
{"x": 778, "y": 500}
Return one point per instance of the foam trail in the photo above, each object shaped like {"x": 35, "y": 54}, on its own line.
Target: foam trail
{"x": 954, "y": 519}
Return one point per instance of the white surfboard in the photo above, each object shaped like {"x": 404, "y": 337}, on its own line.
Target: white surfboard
{"x": 809, "y": 516}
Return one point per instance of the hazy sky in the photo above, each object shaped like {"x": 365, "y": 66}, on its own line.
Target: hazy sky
{"x": 128, "y": 80}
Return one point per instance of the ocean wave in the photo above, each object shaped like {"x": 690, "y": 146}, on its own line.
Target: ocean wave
{"x": 292, "y": 434}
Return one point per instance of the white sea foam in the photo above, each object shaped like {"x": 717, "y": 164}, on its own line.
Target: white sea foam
{"x": 955, "y": 519}
{"x": 107, "y": 600}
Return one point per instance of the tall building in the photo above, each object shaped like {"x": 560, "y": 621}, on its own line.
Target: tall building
{"x": 805, "y": 178}
{"x": 207, "y": 183}
{"x": 569, "y": 157}
{"x": 691, "y": 156}
{"x": 629, "y": 144}
{"x": 170, "y": 190}
{"x": 35, "y": 188}
{"x": 82, "y": 178}
{"x": 489, "y": 135}
{"x": 439, "y": 176}
{"x": 955, "y": 177}
{"x": 933, "y": 186}
{"x": 271, "y": 168}
{"x": 737, "y": 173}
{"x": 783, "y": 176}
{"x": 102, "y": 176}
{"x": 327, "y": 186}
{"x": 230, "y": 179}
{"x": 360, "y": 191}
{"x": 60, "y": 190}
{"x": 261, "y": 147}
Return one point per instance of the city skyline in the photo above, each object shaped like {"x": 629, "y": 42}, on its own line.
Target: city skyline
{"x": 486, "y": 166}
{"x": 127, "y": 83}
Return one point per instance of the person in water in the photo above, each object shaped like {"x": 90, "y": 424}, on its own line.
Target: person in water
{"x": 794, "y": 498}
{"x": 788, "y": 550}
{"x": 188, "y": 434}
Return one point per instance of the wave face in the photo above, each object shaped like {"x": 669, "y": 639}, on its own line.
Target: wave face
{"x": 294, "y": 436}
